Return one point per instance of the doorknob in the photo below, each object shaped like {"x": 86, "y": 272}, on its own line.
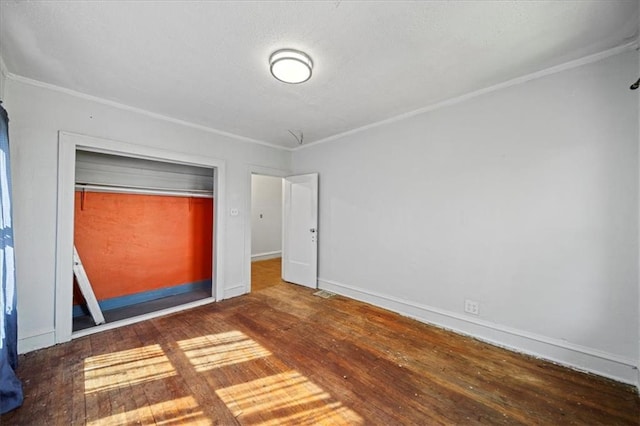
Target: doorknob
{"x": 312, "y": 230}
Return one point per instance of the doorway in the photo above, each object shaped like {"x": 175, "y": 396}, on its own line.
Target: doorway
{"x": 266, "y": 231}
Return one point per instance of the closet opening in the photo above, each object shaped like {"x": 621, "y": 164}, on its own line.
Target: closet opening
{"x": 143, "y": 233}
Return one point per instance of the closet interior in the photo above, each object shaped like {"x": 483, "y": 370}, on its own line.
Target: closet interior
{"x": 143, "y": 231}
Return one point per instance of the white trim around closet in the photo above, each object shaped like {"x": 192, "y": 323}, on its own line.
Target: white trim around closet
{"x": 68, "y": 143}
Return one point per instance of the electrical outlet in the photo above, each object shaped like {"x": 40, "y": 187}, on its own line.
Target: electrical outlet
{"x": 472, "y": 307}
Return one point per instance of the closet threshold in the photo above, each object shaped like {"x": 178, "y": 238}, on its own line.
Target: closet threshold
{"x": 143, "y": 190}
{"x": 132, "y": 320}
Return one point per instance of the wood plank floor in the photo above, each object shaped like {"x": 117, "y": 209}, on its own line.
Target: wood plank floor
{"x": 283, "y": 356}
{"x": 265, "y": 273}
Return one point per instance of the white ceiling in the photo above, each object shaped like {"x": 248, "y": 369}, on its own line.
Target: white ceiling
{"x": 207, "y": 62}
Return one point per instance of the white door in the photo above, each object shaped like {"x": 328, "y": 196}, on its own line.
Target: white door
{"x": 300, "y": 230}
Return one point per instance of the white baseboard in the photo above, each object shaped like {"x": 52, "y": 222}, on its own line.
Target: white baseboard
{"x": 568, "y": 354}
{"x": 235, "y": 291}
{"x": 266, "y": 255}
{"x": 39, "y": 340}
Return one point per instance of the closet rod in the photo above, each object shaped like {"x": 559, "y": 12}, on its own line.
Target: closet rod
{"x": 143, "y": 191}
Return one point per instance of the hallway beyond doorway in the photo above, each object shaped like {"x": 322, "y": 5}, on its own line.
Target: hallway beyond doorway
{"x": 266, "y": 273}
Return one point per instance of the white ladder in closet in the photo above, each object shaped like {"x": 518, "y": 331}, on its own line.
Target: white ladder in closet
{"x": 86, "y": 289}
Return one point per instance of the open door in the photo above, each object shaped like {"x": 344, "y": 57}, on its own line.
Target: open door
{"x": 300, "y": 230}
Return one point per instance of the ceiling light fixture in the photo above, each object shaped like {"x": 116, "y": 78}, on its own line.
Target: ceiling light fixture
{"x": 291, "y": 66}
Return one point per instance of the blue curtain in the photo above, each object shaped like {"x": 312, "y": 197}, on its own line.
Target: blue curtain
{"x": 10, "y": 386}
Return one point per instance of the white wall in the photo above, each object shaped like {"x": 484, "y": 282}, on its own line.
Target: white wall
{"x": 37, "y": 114}
{"x": 3, "y": 78}
{"x": 266, "y": 216}
{"x": 2, "y": 83}
{"x": 524, "y": 199}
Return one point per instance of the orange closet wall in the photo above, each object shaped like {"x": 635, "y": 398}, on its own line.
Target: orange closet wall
{"x": 131, "y": 243}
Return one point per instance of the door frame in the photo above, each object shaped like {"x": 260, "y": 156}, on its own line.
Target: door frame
{"x": 68, "y": 144}
{"x": 257, "y": 170}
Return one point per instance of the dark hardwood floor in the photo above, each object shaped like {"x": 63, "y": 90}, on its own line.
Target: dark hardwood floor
{"x": 283, "y": 356}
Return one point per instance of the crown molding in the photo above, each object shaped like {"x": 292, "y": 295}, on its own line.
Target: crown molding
{"x": 432, "y": 107}
{"x": 461, "y": 98}
{"x": 125, "y": 107}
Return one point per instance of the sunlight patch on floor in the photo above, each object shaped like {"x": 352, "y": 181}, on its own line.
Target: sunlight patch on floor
{"x": 330, "y": 414}
{"x": 123, "y": 368}
{"x": 220, "y": 350}
{"x": 179, "y": 411}
{"x": 296, "y": 398}
{"x": 283, "y": 398}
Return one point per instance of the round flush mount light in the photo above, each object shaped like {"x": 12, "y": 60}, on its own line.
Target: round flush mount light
{"x": 291, "y": 66}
